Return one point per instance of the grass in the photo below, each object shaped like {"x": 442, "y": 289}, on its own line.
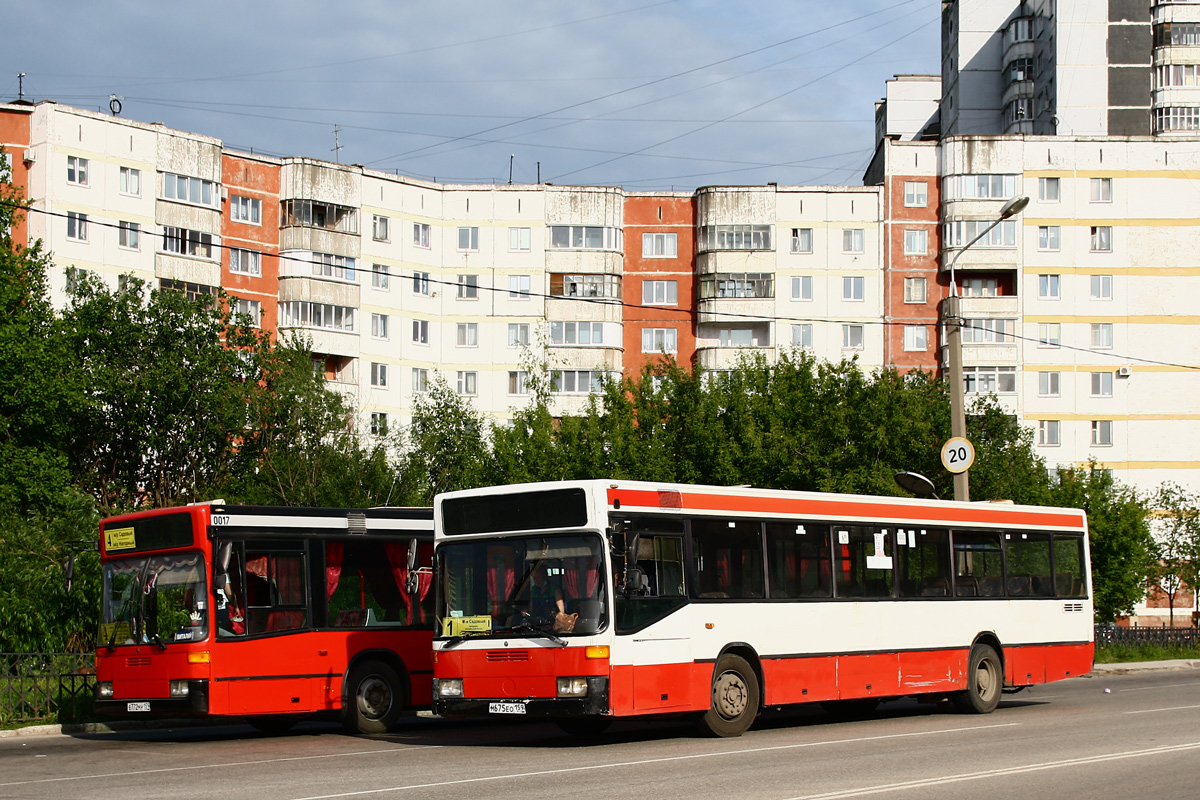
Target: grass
{"x": 1125, "y": 653}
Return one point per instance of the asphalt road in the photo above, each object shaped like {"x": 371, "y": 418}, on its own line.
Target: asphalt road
{"x": 1115, "y": 736}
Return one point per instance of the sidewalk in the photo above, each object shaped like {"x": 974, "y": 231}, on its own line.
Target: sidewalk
{"x": 1143, "y": 666}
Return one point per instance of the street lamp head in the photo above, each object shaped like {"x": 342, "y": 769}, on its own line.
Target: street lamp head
{"x": 1014, "y": 206}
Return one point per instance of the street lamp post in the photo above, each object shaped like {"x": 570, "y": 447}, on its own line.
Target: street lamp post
{"x": 953, "y": 322}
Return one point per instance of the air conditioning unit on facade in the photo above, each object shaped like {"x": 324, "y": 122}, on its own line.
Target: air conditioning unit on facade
{"x": 1124, "y": 372}
{"x": 29, "y": 156}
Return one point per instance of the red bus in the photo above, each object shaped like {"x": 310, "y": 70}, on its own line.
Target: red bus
{"x": 585, "y": 601}
{"x": 266, "y": 614}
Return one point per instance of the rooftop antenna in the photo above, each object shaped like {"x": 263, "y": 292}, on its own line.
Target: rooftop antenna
{"x": 539, "y": 172}
{"x": 511, "y": 156}
{"x": 337, "y": 156}
{"x": 20, "y": 86}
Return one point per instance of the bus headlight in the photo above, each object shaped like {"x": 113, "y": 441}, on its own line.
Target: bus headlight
{"x": 179, "y": 688}
{"x": 448, "y": 687}
{"x": 572, "y": 687}
{"x": 104, "y": 690}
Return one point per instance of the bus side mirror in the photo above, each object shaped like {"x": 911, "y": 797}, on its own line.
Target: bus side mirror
{"x": 631, "y": 556}
{"x": 636, "y": 582}
{"x": 69, "y": 571}
{"x": 221, "y": 568}
{"x": 411, "y": 584}
{"x": 412, "y": 554}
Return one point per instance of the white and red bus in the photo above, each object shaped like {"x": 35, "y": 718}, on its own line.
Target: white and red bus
{"x": 266, "y": 614}
{"x": 719, "y": 602}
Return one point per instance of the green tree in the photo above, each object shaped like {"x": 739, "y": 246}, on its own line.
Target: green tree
{"x": 447, "y": 445}
{"x": 1176, "y": 550}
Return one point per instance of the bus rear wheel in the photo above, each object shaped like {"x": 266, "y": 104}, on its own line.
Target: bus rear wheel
{"x": 375, "y": 698}
{"x": 735, "y": 698}
{"x": 985, "y": 680}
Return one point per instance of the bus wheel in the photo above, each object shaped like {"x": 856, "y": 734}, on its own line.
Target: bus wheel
{"x": 584, "y": 726}
{"x": 375, "y": 698}
{"x": 984, "y": 682}
{"x": 274, "y": 726}
{"x": 735, "y": 696}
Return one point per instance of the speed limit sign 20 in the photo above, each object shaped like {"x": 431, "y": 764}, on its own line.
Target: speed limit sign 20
{"x": 958, "y": 454}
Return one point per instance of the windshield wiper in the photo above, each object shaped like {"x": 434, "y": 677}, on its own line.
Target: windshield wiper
{"x": 542, "y": 629}
{"x": 454, "y": 641}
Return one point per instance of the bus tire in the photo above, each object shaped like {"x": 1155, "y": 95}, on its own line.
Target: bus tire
{"x": 985, "y": 680}
{"x": 374, "y": 698}
{"x": 584, "y": 727}
{"x": 735, "y": 698}
{"x": 273, "y": 726}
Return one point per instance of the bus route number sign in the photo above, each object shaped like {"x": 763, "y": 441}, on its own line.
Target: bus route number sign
{"x": 958, "y": 454}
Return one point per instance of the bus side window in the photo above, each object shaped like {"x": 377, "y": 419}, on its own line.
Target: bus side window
{"x": 1028, "y": 559}
{"x": 1068, "y": 566}
{"x": 863, "y": 561}
{"x": 923, "y": 557}
{"x": 728, "y": 558}
{"x": 798, "y": 560}
{"x": 978, "y": 565}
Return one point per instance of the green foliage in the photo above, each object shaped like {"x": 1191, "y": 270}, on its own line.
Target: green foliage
{"x": 447, "y": 446}
{"x": 1176, "y": 545}
{"x": 1121, "y": 545}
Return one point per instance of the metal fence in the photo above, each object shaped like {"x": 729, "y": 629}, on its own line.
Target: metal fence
{"x": 41, "y": 686}
{"x": 1167, "y": 637}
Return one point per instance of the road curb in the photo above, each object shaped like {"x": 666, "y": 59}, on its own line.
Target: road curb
{"x": 1143, "y": 666}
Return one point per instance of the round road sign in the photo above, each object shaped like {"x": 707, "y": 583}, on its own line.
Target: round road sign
{"x": 958, "y": 454}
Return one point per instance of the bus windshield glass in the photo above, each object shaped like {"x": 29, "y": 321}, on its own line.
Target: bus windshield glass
{"x": 154, "y": 600}
{"x": 522, "y": 584}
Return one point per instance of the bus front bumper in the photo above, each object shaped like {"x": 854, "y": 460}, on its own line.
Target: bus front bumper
{"x": 195, "y": 704}
{"x": 595, "y": 703}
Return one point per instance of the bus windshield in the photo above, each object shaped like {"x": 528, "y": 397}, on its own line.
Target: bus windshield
{"x": 502, "y": 586}
{"x": 154, "y": 599}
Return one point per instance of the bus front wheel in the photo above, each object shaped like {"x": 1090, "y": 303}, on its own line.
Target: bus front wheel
{"x": 985, "y": 680}
{"x": 374, "y": 700}
{"x": 735, "y": 698}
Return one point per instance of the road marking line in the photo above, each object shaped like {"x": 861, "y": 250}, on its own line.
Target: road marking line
{"x": 215, "y": 766}
{"x": 993, "y": 773}
{"x": 666, "y": 759}
{"x": 1156, "y": 710}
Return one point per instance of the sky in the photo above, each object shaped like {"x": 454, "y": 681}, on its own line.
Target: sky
{"x": 650, "y": 95}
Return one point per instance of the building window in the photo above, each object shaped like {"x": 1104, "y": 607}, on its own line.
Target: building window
{"x": 468, "y": 240}
{"x": 193, "y": 291}
{"x": 381, "y": 277}
{"x": 379, "y": 228}
{"x": 988, "y": 331}
{"x": 1049, "y": 334}
{"x": 853, "y": 240}
{"x": 737, "y": 284}
{"x": 518, "y": 334}
{"x": 660, "y": 340}
{"x": 852, "y": 337}
{"x": 737, "y": 337}
{"x": 130, "y": 181}
{"x": 585, "y": 237}
{"x": 249, "y": 308}
{"x": 467, "y": 383}
{"x": 379, "y": 423}
{"x": 576, "y": 333}
{"x": 916, "y": 194}
{"x": 1177, "y": 118}
{"x": 802, "y": 287}
{"x": 585, "y": 286}
{"x": 421, "y": 234}
{"x": 660, "y": 293}
{"x": 313, "y": 214}
{"x": 420, "y": 380}
{"x": 420, "y": 283}
{"x": 467, "y": 334}
{"x": 915, "y": 337}
{"x": 468, "y": 287}
{"x": 1048, "y": 190}
{"x": 914, "y": 290}
{"x": 660, "y": 245}
{"x": 305, "y": 314}
{"x": 1176, "y": 75}
{"x": 245, "y": 209}
{"x": 802, "y": 240}
{"x": 518, "y": 383}
{"x": 1102, "y": 287}
{"x": 979, "y": 187}
{"x": 379, "y": 326}
{"x": 379, "y": 375}
{"x": 127, "y": 235}
{"x": 328, "y": 265}
{"x": 1101, "y": 190}
{"x": 188, "y": 243}
{"x": 77, "y": 226}
{"x": 1102, "y": 384}
{"x": 990, "y": 380}
{"x": 518, "y": 287}
{"x": 1048, "y": 384}
{"x": 1102, "y": 335}
{"x": 957, "y": 233}
{"x": 1048, "y": 237}
{"x": 420, "y": 331}
{"x": 518, "y": 240}
{"x": 1101, "y": 239}
{"x": 802, "y": 336}
{"x": 575, "y": 381}
{"x": 736, "y": 237}
{"x": 852, "y": 288}
{"x": 1048, "y": 432}
{"x": 916, "y": 243}
{"x": 77, "y": 170}
{"x": 1102, "y": 432}
{"x": 245, "y": 262}
{"x": 189, "y": 190}
{"x": 980, "y": 287}
{"x": 1048, "y": 287}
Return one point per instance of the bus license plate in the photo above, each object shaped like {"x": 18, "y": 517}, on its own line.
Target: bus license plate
{"x": 506, "y": 708}
{"x": 137, "y": 706}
